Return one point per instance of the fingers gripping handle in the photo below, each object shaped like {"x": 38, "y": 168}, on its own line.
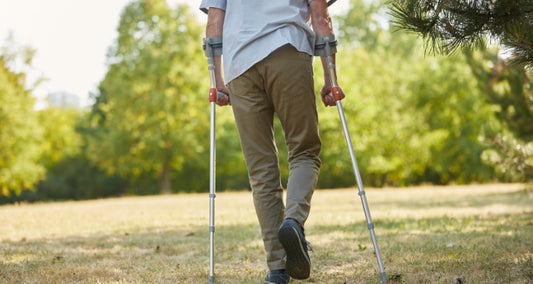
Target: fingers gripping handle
{"x": 215, "y": 95}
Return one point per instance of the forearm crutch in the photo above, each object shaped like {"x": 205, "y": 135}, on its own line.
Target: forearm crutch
{"x": 212, "y": 46}
{"x": 337, "y": 96}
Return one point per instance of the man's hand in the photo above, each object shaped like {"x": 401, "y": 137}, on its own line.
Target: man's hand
{"x": 327, "y": 98}
{"x": 223, "y": 100}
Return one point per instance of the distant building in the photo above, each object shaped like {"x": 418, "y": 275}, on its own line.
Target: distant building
{"x": 64, "y": 99}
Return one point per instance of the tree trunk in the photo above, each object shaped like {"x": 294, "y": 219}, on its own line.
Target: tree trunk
{"x": 165, "y": 177}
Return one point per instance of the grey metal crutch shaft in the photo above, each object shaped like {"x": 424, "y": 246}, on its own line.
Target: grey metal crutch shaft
{"x": 213, "y": 94}
{"x": 337, "y": 96}
{"x": 212, "y": 47}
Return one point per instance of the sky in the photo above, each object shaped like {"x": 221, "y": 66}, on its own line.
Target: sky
{"x": 71, "y": 38}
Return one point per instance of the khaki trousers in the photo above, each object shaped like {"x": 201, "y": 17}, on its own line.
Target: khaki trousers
{"x": 283, "y": 84}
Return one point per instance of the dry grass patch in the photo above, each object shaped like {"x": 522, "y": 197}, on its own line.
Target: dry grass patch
{"x": 473, "y": 234}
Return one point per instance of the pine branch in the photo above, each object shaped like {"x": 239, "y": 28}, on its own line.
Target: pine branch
{"x": 448, "y": 25}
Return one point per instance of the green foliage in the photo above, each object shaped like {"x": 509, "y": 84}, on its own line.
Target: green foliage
{"x": 457, "y": 109}
{"x": 512, "y": 158}
{"x": 362, "y": 25}
{"x": 510, "y": 90}
{"x": 20, "y": 134}
{"x": 42, "y": 152}
{"x": 406, "y": 128}
{"x": 507, "y": 86}
{"x": 413, "y": 119}
{"x": 60, "y": 138}
{"x": 69, "y": 174}
{"x": 150, "y": 116}
{"x": 77, "y": 178}
{"x": 446, "y": 25}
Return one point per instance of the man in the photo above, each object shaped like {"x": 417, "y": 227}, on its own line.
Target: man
{"x": 267, "y": 49}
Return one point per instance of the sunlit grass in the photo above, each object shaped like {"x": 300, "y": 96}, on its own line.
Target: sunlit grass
{"x": 478, "y": 234}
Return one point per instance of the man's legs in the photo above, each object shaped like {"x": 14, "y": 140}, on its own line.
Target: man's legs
{"x": 281, "y": 83}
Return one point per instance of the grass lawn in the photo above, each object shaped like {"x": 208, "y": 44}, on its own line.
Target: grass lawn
{"x": 454, "y": 234}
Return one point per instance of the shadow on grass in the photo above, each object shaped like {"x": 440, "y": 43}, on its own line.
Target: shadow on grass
{"x": 153, "y": 255}
{"x": 492, "y": 249}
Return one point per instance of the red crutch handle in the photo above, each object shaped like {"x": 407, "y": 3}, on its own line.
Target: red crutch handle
{"x": 213, "y": 94}
{"x": 336, "y": 93}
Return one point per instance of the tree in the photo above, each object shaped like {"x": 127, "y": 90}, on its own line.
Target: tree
{"x": 410, "y": 116}
{"x": 510, "y": 90}
{"x": 448, "y": 24}
{"x": 60, "y": 139}
{"x": 147, "y": 106}
{"x": 20, "y": 134}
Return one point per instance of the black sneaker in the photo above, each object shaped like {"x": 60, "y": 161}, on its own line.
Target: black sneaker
{"x": 277, "y": 277}
{"x": 292, "y": 238}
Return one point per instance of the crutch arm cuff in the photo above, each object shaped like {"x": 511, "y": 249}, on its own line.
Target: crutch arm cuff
{"x": 325, "y": 45}
{"x": 212, "y": 46}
